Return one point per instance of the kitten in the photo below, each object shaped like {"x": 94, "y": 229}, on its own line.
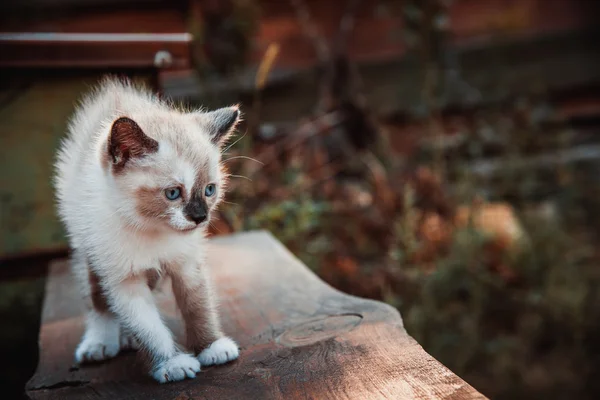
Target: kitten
{"x": 136, "y": 183}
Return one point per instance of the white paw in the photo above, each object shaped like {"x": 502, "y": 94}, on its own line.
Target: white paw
{"x": 176, "y": 368}
{"x": 128, "y": 341}
{"x": 219, "y": 352}
{"x": 91, "y": 349}
{"x": 101, "y": 339}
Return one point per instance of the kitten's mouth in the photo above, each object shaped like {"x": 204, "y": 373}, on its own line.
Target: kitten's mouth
{"x": 187, "y": 230}
{"x": 191, "y": 228}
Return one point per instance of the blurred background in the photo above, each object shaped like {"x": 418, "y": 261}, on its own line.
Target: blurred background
{"x": 441, "y": 156}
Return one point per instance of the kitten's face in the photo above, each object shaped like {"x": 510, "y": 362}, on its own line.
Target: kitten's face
{"x": 167, "y": 168}
{"x": 176, "y": 192}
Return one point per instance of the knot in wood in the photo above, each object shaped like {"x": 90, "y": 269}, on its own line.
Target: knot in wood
{"x": 319, "y": 329}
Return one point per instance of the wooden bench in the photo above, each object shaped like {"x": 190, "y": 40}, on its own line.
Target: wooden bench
{"x": 134, "y": 35}
{"x": 300, "y": 339}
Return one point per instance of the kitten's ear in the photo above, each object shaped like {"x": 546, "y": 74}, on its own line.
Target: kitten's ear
{"x": 222, "y": 123}
{"x": 127, "y": 141}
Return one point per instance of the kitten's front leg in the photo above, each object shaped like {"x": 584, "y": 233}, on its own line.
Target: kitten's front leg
{"x": 101, "y": 338}
{"x": 195, "y": 298}
{"x": 102, "y": 331}
{"x": 132, "y": 302}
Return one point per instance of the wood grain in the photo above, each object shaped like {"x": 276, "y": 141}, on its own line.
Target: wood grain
{"x": 300, "y": 339}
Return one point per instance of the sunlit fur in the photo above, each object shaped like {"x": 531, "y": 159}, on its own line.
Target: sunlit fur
{"x": 122, "y": 226}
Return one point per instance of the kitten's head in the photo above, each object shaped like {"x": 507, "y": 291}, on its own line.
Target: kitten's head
{"x": 166, "y": 167}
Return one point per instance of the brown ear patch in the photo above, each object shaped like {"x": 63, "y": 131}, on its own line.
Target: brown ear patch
{"x": 126, "y": 141}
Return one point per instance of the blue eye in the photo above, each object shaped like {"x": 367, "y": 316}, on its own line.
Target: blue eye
{"x": 173, "y": 193}
{"x": 210, "y": 189}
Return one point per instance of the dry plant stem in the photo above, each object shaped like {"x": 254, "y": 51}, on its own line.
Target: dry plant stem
{"x": 383, "y": 189}
{"x": 347, "y": 23}
{"x": 262, "y": 74}
{"x": 339, "y": 80}
{"x": 311, "y": 30}
{"x": 553, "y": 159}
{"x": 319, "y": 43}
{"x": 427, "y": 52}
{"x": 435, "y": 131}
{"x": 254, "y": 120}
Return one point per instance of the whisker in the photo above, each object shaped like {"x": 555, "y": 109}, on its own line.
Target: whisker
{"x": 244, "y": 157}
{"x": 240, "y": 176}
{"x": 233, "y": 144}
{"x": 229, "y": 202}
{"x": 214, "y": 227}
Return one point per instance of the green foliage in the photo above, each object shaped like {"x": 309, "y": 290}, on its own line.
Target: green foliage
{"x": 290, "y": 219}
{"x": 525, "y": 333}
{"x": 467, "y": 316}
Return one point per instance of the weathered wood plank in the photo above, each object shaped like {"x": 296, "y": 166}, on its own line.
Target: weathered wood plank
{"x": 96, "y": 38}
{"x": 300, "y": 338}
{"x": 99, "y": 50}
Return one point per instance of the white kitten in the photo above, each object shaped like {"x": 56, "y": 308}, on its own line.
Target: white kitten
{"x": 136, "y": 183}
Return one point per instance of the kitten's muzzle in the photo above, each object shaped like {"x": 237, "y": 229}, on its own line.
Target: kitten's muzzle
{"x": 196, "y": 210}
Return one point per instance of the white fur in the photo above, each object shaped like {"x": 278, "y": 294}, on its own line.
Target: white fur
{"x": 95, "y": 208}
{"x": 127, "y": 340}
{"x": 104, "y": 226}
{"x": 176, "y": 369}
{"x": 134, "y": 300}
{"x": 179, "y": 221}
{"x": 101, "y": 339}
{"x": 219, "y": 352}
